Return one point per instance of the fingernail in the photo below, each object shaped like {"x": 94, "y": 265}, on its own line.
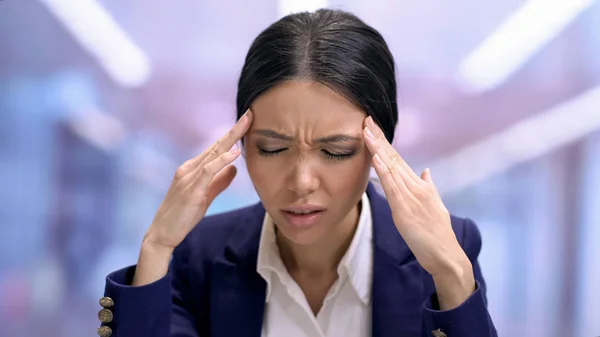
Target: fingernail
{"x": 244, "y": 117}
{"x": 377, "y": 160}
{"x": 369, "y": 133}
{"x": 370, "y": 121}
{"x": 235, "y": 149}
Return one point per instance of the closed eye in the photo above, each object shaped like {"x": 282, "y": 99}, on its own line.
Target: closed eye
{"x": 328, "y": 155}
{"x": 267, "y": 153}
{"x": 339, "y": 156}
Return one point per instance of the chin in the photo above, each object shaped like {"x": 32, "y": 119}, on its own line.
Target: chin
{"x": 299, "y": 236}
{"x": 302, "y": 239}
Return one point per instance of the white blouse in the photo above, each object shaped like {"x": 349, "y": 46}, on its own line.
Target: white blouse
{"x": 346, "y": 310}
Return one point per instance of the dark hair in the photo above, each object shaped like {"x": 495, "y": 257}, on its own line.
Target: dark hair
{"x": 332, "y": 47}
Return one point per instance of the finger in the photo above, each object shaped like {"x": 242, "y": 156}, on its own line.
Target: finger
{"x": 393, "y": 190}
{"x": 204, "y": 174}
{"x": 391, "y": 158}
{"x": 231, "y": 137}
{"x": 426, "y": 175}
{"x": 220, "y": 182}
{"x": 387, "y": 150}
{"x": 226, "y": 142}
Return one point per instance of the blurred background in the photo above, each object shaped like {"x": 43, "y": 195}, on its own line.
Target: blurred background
{"x": 101, "y": 100}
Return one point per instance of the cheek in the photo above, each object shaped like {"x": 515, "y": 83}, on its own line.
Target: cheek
{"x": 351, "y": 175}
{"x": 262, "y": 172}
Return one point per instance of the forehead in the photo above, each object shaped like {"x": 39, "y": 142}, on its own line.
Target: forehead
{"x": 304, "y": 103}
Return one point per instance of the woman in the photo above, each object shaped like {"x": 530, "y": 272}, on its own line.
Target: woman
{"x": 322, "y": 254}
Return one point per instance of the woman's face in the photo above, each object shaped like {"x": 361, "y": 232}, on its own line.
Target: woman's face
{"x": 305, "y": 154}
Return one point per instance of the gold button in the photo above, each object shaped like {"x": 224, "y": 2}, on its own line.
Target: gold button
{"x": 104, "y": 331}
{"x": 106, "y": 302}
{"x": 438, "y": 333}
{"x": 105, "y": 316}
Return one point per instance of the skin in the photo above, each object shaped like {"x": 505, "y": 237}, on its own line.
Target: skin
{"x": 290, "y": 122}
{"x": 423, "y": 221}
{"x": 305, "y": 147}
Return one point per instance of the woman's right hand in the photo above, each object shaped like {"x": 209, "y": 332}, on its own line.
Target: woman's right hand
{"x": 195, "y": 185}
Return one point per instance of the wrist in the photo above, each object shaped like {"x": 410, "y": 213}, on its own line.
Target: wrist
{"x": 455, "y": 285}
{"x": 156, "y": 251}
{"x": 153, "y": 264}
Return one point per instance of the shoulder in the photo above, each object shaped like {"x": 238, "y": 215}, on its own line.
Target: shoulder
{"x": 468, "y": 235}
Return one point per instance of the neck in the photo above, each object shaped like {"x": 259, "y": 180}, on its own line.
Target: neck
{"x": 322, "y": 257}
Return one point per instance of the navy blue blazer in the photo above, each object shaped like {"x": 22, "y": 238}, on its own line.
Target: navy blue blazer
{"x": 212, "y": 287}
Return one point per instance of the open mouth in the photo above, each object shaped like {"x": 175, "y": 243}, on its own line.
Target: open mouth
{"x": 303, "y": 217}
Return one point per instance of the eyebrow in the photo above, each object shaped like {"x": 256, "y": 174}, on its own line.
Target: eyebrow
{"x": 323, "y": 140}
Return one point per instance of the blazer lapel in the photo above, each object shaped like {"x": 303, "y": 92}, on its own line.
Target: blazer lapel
{"x": 397, "y": 291}
{"x": 238, "y": 292}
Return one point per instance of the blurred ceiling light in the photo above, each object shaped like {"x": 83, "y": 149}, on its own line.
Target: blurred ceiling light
{"x": 521, "y": 36}
{"x": 522, "y": 142}
{"x": 294, "y": 6}
{"x": 99, "y": 128}
{"x": 93, "y": 27}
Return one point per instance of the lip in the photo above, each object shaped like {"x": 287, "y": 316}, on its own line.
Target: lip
{"x": 303, "y": 220}
{"x": 303, "y": 207}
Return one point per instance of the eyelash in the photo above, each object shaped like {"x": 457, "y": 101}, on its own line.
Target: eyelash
{"x": 332, "y": 156}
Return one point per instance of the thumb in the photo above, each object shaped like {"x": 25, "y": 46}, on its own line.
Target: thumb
{"x": 220, "y": 182}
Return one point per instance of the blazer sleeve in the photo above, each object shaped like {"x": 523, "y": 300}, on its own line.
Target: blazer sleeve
{"x": 471, "y": 318}
{"x": 159, "y": 309}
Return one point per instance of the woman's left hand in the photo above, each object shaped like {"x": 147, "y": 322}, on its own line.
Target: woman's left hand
{"x": 422, "y": 219}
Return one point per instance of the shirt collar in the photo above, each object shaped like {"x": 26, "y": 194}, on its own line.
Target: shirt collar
{"x": 356, "y": 264}
{"x": 269, "y": 261}
{"x": 358, "y": 259}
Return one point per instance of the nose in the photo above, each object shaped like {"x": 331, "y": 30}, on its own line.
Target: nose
{"x": 303, "y": 181}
